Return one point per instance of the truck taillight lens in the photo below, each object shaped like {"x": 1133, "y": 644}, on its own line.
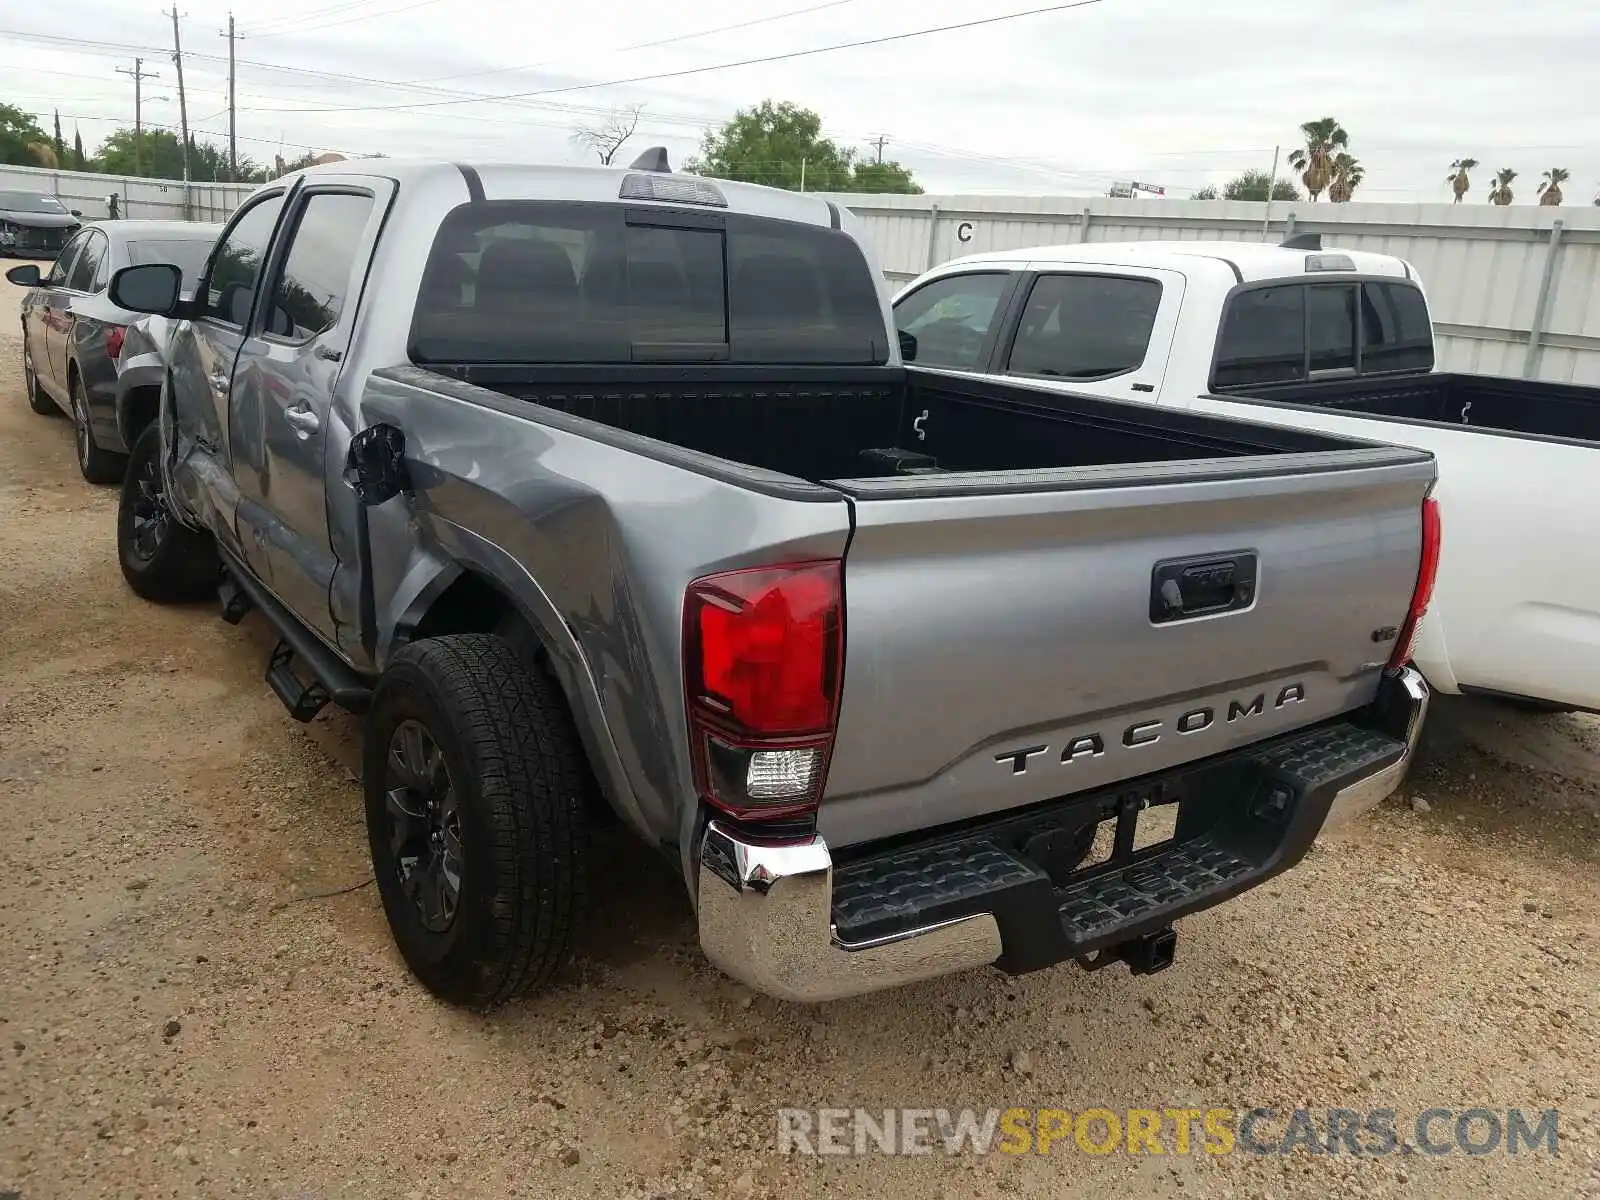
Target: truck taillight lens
{"x": 1427, "y": 574}
{"x": 114, "y": 334}
{"x": 763, "y": 659}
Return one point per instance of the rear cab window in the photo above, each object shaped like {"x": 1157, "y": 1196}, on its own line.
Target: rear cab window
{"x": 1291, "y": 332}
{"x": 541, "y": 282}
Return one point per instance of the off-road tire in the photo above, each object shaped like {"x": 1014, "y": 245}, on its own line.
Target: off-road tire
{"x": 515, "y": 769}
{"x": 94, "y": 463}
{"x": 184, "y": 564}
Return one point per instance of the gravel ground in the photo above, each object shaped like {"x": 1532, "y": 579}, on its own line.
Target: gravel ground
{"x": 184, "y": 1011}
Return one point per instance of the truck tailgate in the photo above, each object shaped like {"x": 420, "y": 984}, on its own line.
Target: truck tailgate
{"x": 1015, "y": 638}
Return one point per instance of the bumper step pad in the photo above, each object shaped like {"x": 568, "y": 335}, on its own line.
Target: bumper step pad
{"x": 1241, "y": 819}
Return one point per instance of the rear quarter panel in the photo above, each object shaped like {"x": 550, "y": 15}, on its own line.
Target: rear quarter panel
{"x": 596, "y": 543}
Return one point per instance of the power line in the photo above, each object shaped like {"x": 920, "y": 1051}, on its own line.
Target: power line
{"x": 727, "y": 66}
{"x": 183, "y": 103}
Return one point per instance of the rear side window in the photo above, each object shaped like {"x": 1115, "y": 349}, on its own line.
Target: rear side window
{"x": 315, "y": 279}
{"x": 1395, "y": 332}
{"x": 1263, "y": 338}
{"x": 532, "y": 282}
{"x": 1085, "y": 326}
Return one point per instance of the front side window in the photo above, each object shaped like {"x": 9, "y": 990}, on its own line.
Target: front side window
{"x": 1263, "y": 338}
{"x": 951, "y": 318}
{"x": 87, "y": 269}
{"x": 1085, "y": 326}
{"x": 1395, "y": 332}
{"x": 315, "y": 280}
{"x": 236, "y": 267}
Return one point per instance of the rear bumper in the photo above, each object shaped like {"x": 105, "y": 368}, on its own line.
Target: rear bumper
{"x": 791, "y": 922}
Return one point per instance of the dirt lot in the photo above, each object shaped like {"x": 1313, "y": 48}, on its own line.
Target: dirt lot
{"x": 185, "y": 1011}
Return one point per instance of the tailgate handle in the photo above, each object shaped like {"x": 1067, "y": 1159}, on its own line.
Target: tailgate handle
{"x": 1181, "y": 588}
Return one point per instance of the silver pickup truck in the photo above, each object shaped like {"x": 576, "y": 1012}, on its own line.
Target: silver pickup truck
{"x": 610, "y": 486}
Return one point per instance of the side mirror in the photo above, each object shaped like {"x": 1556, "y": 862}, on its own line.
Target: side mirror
{"x": 77, "y": 212}
{"x": 908, "y": 345}
{"x": 150, "y": 288}
{"x": 375, "y": 466}
{"x": 27, "y": 275}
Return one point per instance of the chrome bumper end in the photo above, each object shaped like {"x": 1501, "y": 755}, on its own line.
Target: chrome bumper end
{"x": 765, "y": 914}
{"x": 1407, "y": 711}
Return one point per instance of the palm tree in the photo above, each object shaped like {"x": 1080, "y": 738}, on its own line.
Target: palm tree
{"x": 1324, "y": 137}
{"x": 1457, "y": 179}
{"x": 1500, "y": 192}
{"x": 1550, "y": 189}
{"x": 1347, "y": 174}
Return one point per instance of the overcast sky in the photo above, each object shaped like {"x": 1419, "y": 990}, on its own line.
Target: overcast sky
{"x": 1176, "y": 92}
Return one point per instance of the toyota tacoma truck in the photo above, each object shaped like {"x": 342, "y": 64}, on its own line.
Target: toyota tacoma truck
{"x": 609, "y": 486}
{"x": 1318, "y": 338}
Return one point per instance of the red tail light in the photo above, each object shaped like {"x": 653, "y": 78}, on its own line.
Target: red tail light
{"x": 1427, "y": 574}
{"x": 763, "y": 658}
{"x": 114, "y": 335}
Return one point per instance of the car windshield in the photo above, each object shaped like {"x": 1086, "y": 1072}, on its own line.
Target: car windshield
{"x": 187, "y": 254}
{"x": 30, "y": 202}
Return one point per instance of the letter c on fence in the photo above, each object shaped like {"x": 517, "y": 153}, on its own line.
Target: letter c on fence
{"x": 964, "y": 231}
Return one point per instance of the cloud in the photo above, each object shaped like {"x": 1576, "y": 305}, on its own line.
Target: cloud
{"x": 1172, "y": 91}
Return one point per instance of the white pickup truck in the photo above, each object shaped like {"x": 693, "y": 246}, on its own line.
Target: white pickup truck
{"x": 1322, "y": 339}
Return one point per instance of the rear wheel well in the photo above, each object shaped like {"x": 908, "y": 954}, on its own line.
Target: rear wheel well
{"x": 475, "y": 604}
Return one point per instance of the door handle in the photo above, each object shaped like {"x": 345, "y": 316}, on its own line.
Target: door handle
{"x": 1193, "y": 587}
{"x": 305, "y": 421}
{"x": 218, "y": 382}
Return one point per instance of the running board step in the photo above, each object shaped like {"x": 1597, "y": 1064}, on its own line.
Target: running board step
{"x": 303, "y": 700}
{"x": 332, "y": 679}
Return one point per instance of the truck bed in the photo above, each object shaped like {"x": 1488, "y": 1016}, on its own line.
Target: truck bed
{"x": 830, "y": 424}
{"x": 1484, "y": 402}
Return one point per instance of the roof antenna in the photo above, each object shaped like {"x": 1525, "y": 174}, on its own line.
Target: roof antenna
{"x": 653, "y": 159}
{"x": 1302, "y": 241}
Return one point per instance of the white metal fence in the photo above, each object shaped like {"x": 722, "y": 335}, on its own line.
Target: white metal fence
{"x": 148, "y": 199}
{"x": 1514, "y": 290}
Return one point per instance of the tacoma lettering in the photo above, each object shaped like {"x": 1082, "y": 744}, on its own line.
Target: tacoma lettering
{"x": 1149, "y": 731}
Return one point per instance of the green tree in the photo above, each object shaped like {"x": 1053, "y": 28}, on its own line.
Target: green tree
{"x": 19, "y": 135}
{"x": 1253, "y": 185}
{"x": 884, "y": 178}
{"x": 1458, "y": 179}
{"x": 1347, "y": 176}
{"x": 60, "y": 146}
{"x": 1324, "y": 137}
{"x": 1209, "y": 192}
{"x": 1550, "y": 190}
{"x": 1500, "y": 193}
{"x": 153, "y": 153}
{"x": 781, "y": 145}
{"x": 79, "y": 163}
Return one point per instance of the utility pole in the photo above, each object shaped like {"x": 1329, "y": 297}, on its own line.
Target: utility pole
{"x": 1266, "y": 218}
{"x": 233, "y": 151}
{"x": 138, "y": 75}
{"x": 880, "y": 141}
{"x": 183, "y": 106}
